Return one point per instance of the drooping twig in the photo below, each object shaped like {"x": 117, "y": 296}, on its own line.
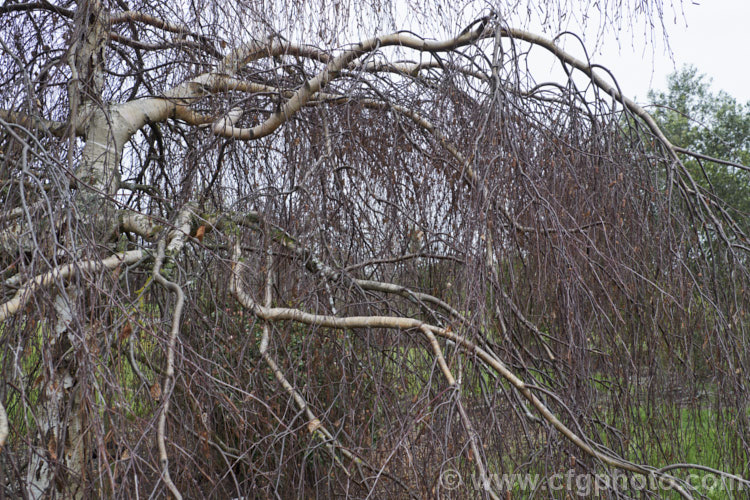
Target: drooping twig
{"x": 491, "y": 361}
{"x": 476, "y": 449}
{"x": 178, "y": 237}
{"x": 314, "y": 425}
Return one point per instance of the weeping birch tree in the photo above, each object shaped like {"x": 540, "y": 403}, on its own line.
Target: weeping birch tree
{"x": 295, "y": 250}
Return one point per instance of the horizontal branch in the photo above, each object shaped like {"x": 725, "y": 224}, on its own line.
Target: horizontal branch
{"x": 56, "y": 128}
{"x": 403, "y": 323}
{"x": 701, "y": 156}
{"x": 316, "y": 266}
{"x": 43, "y": 5}
{"x": 176, "y": 239}
{"x": 332, "y": 70}
{"x": 23, "y": 295}
{"x": 141, "y": 17}
{"x": 408, "y": 256}
{"x": 138, "y": 44}
{"x": 142, "y": 225}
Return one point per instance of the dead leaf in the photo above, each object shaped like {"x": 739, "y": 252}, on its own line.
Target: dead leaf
{"x": 200, "y": 232}
{"x": 313, "y": 425}
{"x": 156, "y": 391}
{"x": 126, "y": 331}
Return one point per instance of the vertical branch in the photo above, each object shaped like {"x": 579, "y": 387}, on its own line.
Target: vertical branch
{"x": 462, "y": 412}
{"x": 169, "y": 373}
{"x": 177, "y": 237}
{"x": 3, "y": 426}
{"x": 314, "y": 425}
{"x": 73, "y": 94}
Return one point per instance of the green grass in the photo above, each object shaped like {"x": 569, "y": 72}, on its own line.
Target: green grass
{"x": 115, "y": 366}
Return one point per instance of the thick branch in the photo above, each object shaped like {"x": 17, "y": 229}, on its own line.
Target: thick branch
{"x": 3, "y": 426}
{"x": 332, "y": 70}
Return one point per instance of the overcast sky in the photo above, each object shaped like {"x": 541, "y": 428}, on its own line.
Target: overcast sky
{"x": 714, "y": 35}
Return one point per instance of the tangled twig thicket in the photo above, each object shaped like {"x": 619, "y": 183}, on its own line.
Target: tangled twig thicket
{"x": 235, "y": 264}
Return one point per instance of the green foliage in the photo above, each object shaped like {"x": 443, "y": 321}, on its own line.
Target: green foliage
{"x": 713, "y": 124}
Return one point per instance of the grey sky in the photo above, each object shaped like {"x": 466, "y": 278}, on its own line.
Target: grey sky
{"x": 714, "y": 35}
